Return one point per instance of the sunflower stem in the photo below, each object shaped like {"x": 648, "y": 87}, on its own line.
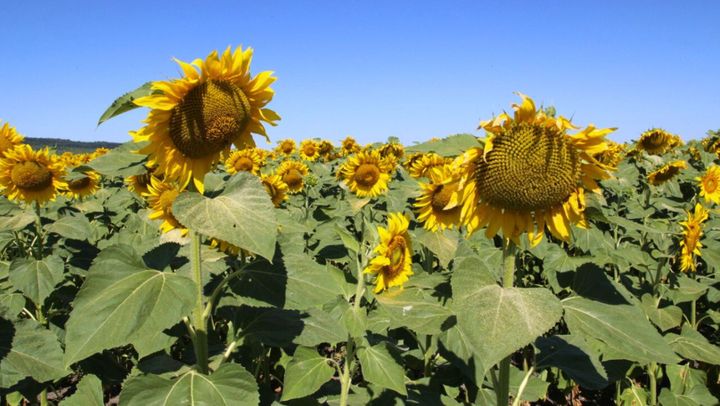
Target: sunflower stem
{"x": 693, "y": 311}
{"x": 652, "y": 368}
{"x": 345, "y": 378}
{"x": 199, "y": 320}
{"x": 502, "y": 390}
{"x": 38, "y": 231}
{"x": 43, "y": 397}
{"x": 428, "y": 260}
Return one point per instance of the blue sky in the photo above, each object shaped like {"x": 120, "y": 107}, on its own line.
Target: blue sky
{"x": 372, "y": 69}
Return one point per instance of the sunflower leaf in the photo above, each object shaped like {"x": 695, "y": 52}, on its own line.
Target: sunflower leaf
{"x": 125, "y": 103}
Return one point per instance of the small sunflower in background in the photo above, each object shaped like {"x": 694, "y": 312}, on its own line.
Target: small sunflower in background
{"x": 349, "y": 146}
{"x": 411, "y": 158}
{"x": 195, "y": 119}
{"x": 710, "y": 184}
{"x": 531, "y": 174}
{"x": 666, "y": 172}
{"x": 244, "y": 160}
{"x": 225, "y": 247}
{"x": 711, "y": 143}
{"x": 438, "y": 206}
{"x": 692, "y": 232}
{"x": 276, "y": 188}
{"x": 286, "y": 147}
{"x": 160, "y": 197}
{"x": 83, "y": 186}
{"x": 31, "y": 176}
{"x": 9, "y": 138}
{"x": 612, "y": 156}
{"x": 393, "y": 260}
{"x": 139, "y": 184}
{"x": 423, "y": 166}
{"x": 309, "y": 150}
{"x": 366, "y": 174}
{"x": 327, "y": 150}
{"x": 392, "y": 148}
{"x": 99, "y": 152}
{"x": 292, "y": 174}
{"x": 657, "y": 141}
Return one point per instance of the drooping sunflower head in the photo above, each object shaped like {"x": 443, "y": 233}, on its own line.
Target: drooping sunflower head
{"x": 365, "y": 174}
{"x": 83, "y": 186}
{"x": 392, "y": 148}
{"x": 612, "y": 156}
{"x": 309, "y": 150}
{"x": 195, "y": 119}
{"x": 327, "y": 150}
{"x": 292, "y": 174}
{"x": 349, "y": 146}
{"x": 666, "y": 172}
{"x": 692, "y": 232}
{"x": 439, "y": 205}
{"x": 244, "y": 160}
{"x": 286, "y": 147}
{"x": 393, "y": 260}
{"x": 710, "y": 184}
{"x": 9, "y": 138}
{"x": 160, "y": 197}
{"x": 423, "y": 166}
{"x": 711, "y": 143}
{"x": 531, "y": 173}
{"x": 31, "y": 176}
{"x": 139, "y": 184}
{"x": 276, "y": 188}
{"x": 657, "y": 141}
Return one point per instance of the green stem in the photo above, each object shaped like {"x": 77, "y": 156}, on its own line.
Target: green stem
{"x": 523, "y": 384}
{"x": 345, "y": 378}
{"x": 428, "y": 260}
{"x": 43, "y": 397}
{"x": 38, "y": 230}
{"x": 199, "y": 321}
{"x": 502, "y": 391}
{"x": 652, "y": 368}
{"x": 693, "y": 311}
{"x": 429, "y": 354}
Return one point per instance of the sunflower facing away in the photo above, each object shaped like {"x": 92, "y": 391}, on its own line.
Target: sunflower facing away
{"x": 711, "y": 143}
{"x": 160, "y": 197}
{"x": 84, "y": 186}
{"x": 244, "y": 160}
{"x": 327, "y": 150}
{"x": 9, "y": 138}
{"x": 349, "y": 146}
{"x": 657, "y": 141}
{"x": 666, "y": 172}
{"x": 611, "y": 156}
{"x": 437, "y": 206}
{"x": 292, "y": 173}
{"x": 309, "y": 150}
{"x": 276, "y": 188}
{"x": 530, "y": 174}
{"x": 286, "y": 147}
{"x": 139, "y": 183}
{"x": 393, "y": 261}
{"x": 710, "y": 185}
{"x": 31, "y": 176}
{"x": 196, "y": 118}
{"x": 692, "y": 232}
{"x": 424, "y": 165}
{"x": 365, "y": 174}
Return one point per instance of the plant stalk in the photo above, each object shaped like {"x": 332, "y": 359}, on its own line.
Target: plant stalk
{"x": 39, "y": 233}
{"x": 199, "y": 321}
{"x": 652, "y": 368}
{"x": 693, "y": 315}
{"x": 502, "y": 391}
{"x": 345, "y": 378}
{"x": 43, "y": 397}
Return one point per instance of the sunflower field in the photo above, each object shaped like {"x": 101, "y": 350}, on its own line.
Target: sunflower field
{"x": 539, "y": 263}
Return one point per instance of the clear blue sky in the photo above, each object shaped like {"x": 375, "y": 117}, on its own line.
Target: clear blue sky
{"x": 372, "y": 69}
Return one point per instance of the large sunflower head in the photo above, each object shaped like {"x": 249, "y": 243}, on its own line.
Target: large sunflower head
{"x": 439, "y": 203}
{"x": 309, "y": 150}
{"x": 393, "y": 260}
{"x": 366, "y": 174}
{"x": 293, "y": 174}
{"x": 692, "y": 232}
{"x": 160, "y": 197}
{"x": 423, "y": 166}
{"x": 666, "y": 172}
{"x": 657, "y": 141}
{"x": 83, "y": 186}
{"x": 349, "y": 146}
{"x": 195, "y": 119}
{"x": 244, "y": 160}
{"x": 531, "y": 173}
{"x": 31, "y": 176}
{"x": 9, "y": 138}
{"x": 286, "y": 147}
{"x": 710, "y": 184}
{"x": 276, "y": 188}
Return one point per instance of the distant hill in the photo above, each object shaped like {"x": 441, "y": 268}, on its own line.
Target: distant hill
{"x": 62, "y": 145}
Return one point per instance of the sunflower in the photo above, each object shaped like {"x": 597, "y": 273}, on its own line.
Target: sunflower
{"x": 225, "y": 247}
{"x": 393, "y": 262}
{"x": 657, "y": 141}
{"x": 423, "y": 166}
{"x": 349, "y": 146}
{"x": 160, "y": 197}
{"x": 392, "y": 148}
{"x": 711, "y": 143}
{"x": 31, "y": 176}
{"x": 99, "y": 152}
{"x": 327, "y": 150}
{"x": 83, "y": 186}
{"x": 710, "y": 185}
{"x": 692, "y": 232}
{"x": 438, "y": 205}
{"x": 139, "y": 183}
{"x": 276, "y": 188}
{"x": 195, "y": 119}
{"x": 244, "y": 160}
{"x": 286, "y": 147}
{"x": 411, "y": 158}
{"x": 309, "y": 150}
{"x": 530, "y": 174}
{"x": 9, "y": 138}
{"x": 292, "y": 173}
{"x": 666, "y": 172}
{"x": 612, "y": 156}
{"x": 365, "y": 174}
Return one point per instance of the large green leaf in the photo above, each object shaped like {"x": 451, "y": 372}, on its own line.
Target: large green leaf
{"x": 305, "y": 374}
{"x": 321, "y": 327}
{"x": 74, "y": 227}
{"x": 242, "y": 215}
{"x": 122, "y": 301}
{"x": 17, "y": 220}
{"x": 122, "y": 161}
{"x": 381, "y": 369}
{"x": 416, "y": 309}
{"x": 89, "y": 393}
{"x": 693, "y": 345}
{"x": 36, "y": 279}
{"x": 231, "y": 384}
{"x": 664, "y": 318}
{"x": 28, "y": 349}
{"x": 125, "y": 102}
{"x": 442, "y": 243}
{"x": 574, "y": 357}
